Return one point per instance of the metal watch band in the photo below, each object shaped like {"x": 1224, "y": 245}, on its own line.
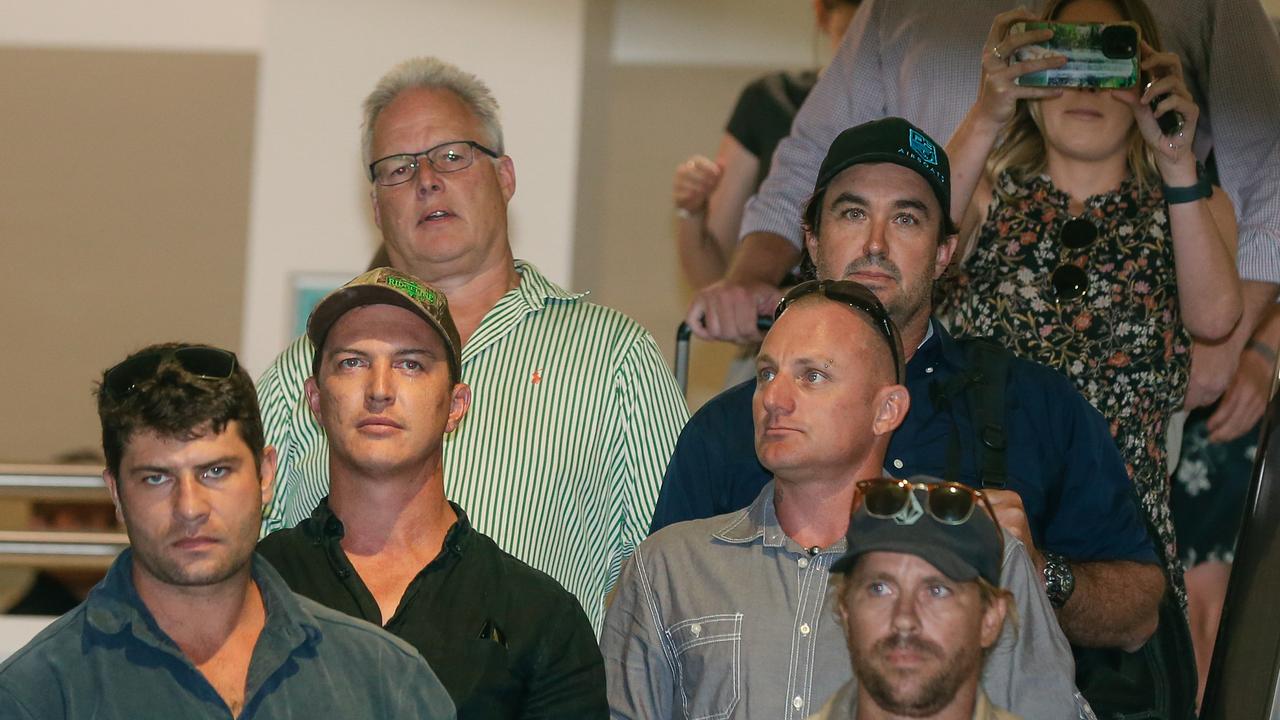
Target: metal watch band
{"x": 1059, "y": 581}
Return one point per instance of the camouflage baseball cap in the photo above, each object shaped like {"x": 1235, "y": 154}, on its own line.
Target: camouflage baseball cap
{"x": 387, "y": 286}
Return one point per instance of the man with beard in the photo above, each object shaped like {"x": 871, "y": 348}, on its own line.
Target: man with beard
{"x": 730, "y": 616}
{"x": 918, "y": 597}
{"x": 188, "y": 622}
{"x": 878, "y": 216}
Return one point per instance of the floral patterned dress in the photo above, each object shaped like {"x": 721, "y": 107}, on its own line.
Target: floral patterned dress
{"x": 1122, "y": 342}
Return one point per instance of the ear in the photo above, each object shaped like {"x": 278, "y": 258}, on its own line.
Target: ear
{"x": 507, "y": 177}
{"x": 312, "y": 388}
{"x": 459, "y": 403}
{"x": 112, "y": 487}
{"x": 892, "y": 403}
{"x": 811, "y": 244}
{"x": 942, "y": 259}
{"x": 993, "y": 620}
{"x": 267, "y": 473}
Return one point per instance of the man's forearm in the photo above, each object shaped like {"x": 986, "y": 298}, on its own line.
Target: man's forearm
{"x": 1116, "y": 603}
{"x": 1259, "y": 298}
{"x": 762, "y": 257}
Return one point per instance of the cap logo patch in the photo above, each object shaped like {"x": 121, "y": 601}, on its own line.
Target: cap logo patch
{"x": 910, "y": 514}
{"x": 412, "y": 289}
{"x": 921, "y": 145}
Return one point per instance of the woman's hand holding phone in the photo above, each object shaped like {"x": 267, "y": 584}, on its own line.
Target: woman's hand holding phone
{"x": 999, "y": 92}
{"x": 1166, "y": 93}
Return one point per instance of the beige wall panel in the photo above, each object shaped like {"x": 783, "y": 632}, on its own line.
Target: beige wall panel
{"x": 657, "y": 117}
{"x": 123, "y": 216}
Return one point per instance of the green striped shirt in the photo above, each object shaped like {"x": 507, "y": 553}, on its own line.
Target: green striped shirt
{"x": 573, "y": 418}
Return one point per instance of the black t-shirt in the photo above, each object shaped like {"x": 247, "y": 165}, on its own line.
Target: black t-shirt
{"x": 506, "y": 640}
{"x": 764, "y": 113}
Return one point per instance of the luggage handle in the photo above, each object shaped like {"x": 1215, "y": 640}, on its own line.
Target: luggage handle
{"x": 684, "y": 333}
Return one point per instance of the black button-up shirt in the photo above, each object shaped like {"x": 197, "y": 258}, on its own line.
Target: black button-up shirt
{"x": 506, "y": 640}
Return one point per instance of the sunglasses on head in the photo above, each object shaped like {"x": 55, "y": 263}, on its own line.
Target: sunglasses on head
{"x": 858, "y": 297}
{"x": 950, "y": 503}
{"x": 1070, "y": 282}
{"x": 201, "y": 361}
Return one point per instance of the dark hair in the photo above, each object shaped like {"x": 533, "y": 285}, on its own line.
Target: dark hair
{"x": 173, "y": 403}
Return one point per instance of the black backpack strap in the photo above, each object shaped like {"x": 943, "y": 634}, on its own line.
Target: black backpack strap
{"x": 943, "y": 394}
{"x": 990, "y": 363}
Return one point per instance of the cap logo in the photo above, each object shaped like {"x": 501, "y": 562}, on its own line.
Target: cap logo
{"x": 910, "y": 514}
{"x": 412, "y": 289}
{"x": 922, "y": 147}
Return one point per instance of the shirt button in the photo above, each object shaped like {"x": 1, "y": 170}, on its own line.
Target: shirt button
{"x": 928, "y": 370}
{"x": 797, "y": 702}
{"x": 696, "y": 629}
{"x": 897, "y": 463}
{"x": 803, "y": 563}
{"x": 804, "y": 629}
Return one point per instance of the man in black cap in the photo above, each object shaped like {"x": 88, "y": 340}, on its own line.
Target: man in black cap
{"x": 878, "y": 215}
{"x": 731, "y": 616}
{"x": 918, "y": 595}
{"x": 388, "y": 547}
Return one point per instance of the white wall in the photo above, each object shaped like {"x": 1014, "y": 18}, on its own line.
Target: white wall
{"x": 319, "y": 58}
{"x": 756, "y": 33}
{"x": 195, "y": 25}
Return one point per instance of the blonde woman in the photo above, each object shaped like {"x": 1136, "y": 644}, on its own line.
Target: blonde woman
{"x": 1090, "y": 242}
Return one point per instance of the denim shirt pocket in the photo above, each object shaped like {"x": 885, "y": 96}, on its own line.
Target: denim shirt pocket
{"x": 708, "y": 654}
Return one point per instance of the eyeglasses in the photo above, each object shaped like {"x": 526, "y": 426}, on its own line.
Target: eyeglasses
{"x": 443, "y": 158}
{"x": 858, "y": 297}
{"x": 1070, "y": 282}
{"x": 206, "y": 363}
{"x": 949, "y": 503}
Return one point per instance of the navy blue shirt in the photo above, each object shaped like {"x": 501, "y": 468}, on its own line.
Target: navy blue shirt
{"x": 1061, "y": 458}
{"x": 108, "y": 659}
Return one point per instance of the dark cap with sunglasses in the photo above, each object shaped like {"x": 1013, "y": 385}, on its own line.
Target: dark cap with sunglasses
{"x": 941, "y": 523}
{"x": 888, "y": 140}
{"x": 387, "y": 286}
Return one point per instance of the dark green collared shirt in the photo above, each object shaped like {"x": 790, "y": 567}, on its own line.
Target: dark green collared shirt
{"x": 506, "y": 640}
{"x": 108, "y": 659}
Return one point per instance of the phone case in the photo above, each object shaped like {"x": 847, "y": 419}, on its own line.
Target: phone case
{"x": 1091, "y": 60}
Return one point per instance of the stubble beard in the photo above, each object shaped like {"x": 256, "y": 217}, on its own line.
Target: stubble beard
{"x": 924, "y": 697}
{"x": 902, "y": 306}
{"x": 167, "y": 569}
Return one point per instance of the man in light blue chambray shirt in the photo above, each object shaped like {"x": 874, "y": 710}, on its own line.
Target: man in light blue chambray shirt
{"x": 189, "y": 622}
{"x": 732, "y": 616}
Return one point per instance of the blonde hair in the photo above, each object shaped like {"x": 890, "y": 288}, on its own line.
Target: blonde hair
{"x": 1020, "y": 147}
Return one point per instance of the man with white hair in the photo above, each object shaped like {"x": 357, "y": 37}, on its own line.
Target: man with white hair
{"x": 575, "y": 413}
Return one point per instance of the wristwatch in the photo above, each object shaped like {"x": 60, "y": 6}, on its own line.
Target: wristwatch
{"x": 1189, "y": 193}
{"x": 1059, "y": 581}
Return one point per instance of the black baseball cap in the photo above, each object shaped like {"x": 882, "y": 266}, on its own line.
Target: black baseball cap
{"x": 962, "y": 552}
{"x": 888, "y": 140}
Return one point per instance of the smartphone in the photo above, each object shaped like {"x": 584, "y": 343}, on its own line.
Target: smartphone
{"x": 1098, "y": 55}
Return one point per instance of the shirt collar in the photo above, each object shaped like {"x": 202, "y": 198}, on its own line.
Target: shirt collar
{"x": 937, "y": 345}
{"x": 324, "y": 527}
{"x": 759, "y": 521}
{"x": 114, "y": 607}
{"x": 535, "y": 290}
